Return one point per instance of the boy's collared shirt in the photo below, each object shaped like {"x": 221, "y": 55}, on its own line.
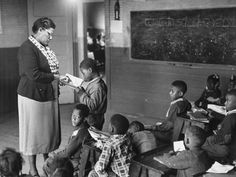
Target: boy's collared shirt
{"x": 178, "y": 107}
{"x": 171, "y": 103}
{"x": 116, "y": 154}
{"x": 95, "y": 96}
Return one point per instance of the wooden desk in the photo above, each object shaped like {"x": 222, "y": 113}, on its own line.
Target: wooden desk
{"x": 181, "y": 124}
{"x": 145, "y": 166}
{"x": 89, "y": 156}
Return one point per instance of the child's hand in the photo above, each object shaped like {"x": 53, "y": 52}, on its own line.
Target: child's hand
{"x": 104, "y": 174}
{"x": 213, "y": 100}
{"x": 99, "y": 172}
{"x": 171, "y": 153}
{"x": 167, "y": 155}
{"x": 79, "y": 90}
{"x": 227, "y": 138}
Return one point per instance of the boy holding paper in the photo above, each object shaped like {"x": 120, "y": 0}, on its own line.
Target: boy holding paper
{"x": 93, "y": 93}
{"x": 223, "y": 143}
{"x": 191, "y": 161}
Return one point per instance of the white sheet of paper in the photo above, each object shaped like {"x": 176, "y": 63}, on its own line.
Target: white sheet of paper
{"x": 76, "y": 81}
{"x": 116, "y": 26}
{"x": 219, "y": 168}
{"x": 217, "y": 108}
{"x": 178, "y": 146}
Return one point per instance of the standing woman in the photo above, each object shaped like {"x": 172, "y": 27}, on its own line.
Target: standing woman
{"x": 39, "y": 120}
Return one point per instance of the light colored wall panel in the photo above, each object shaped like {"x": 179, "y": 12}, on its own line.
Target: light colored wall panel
{"x": 141, "y": 88}
{"x": 60, "y": 12}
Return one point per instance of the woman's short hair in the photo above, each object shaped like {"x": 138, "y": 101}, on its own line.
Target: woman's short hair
{"x": 10, "y": 162}
{"x": 44, "y": 23}
{"x": 89, "y": 63}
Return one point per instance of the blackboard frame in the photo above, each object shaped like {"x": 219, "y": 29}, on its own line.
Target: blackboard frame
{"x": 230, "y": 66}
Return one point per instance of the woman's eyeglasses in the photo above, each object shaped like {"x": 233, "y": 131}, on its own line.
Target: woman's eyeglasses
{"x": 49, "y": 33}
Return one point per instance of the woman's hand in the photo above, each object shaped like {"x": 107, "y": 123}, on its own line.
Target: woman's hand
{"x": 56, "y": 76}
{"x": 62, "y": 79}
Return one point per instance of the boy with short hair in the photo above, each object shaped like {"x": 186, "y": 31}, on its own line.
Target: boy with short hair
{"x": 55, "y": 163}
{"x": 178, "y": 107}
{"x": 93, "y": 93}
{"x": 223, "y": 143}
{"x": 11, "y": 163}
{"x": 116, "y": 153}
{"x": 191, "y": 161}
{"x": 79, "y": 135}
{"x": 142, "y": 140}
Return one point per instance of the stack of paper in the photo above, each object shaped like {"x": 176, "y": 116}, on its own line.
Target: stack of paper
{"x": 178, "y": 146}
{"x": 217, "y": 108}
{"x": 219, "y": 168}
{"x": 76, "y": 81}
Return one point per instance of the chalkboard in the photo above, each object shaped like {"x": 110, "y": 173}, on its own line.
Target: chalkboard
{"x": 194, "y": 36}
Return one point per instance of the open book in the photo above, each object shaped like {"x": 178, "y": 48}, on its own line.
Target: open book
{"x": 217, "y": 108}
{"x": 72, "y": 81}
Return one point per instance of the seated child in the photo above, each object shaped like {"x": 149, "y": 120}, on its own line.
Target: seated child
{"x": 55, "y": 166}
{"x": 178, "y": 107}
{"x": 116, "y": 153}
{"x": 232, "y": 83}
{"x": 211, "y": 94}
{"x": 79, "y": 135}
{"x": 11, "y": 163}
{"x": 142, "y": 140}
{"x": 223, "y": 143}
{"x": 191, "y": 161}
{"x": 93, "y": 93}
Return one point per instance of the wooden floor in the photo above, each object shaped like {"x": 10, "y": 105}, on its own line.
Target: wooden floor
{"x": 9, "y": 135}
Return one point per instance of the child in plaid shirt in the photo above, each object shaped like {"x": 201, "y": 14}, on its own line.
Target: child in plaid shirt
{"x": 116, "y": 153}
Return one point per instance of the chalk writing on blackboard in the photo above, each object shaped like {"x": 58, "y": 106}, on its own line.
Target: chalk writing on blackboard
{"x": 195, "y": 36}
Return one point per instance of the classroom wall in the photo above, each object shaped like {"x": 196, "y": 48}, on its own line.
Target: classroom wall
{"x": 140, "y": 89}
{"x": 14, "y": 32}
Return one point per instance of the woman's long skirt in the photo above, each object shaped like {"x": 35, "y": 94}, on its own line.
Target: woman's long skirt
{"x": 39, "y": 126}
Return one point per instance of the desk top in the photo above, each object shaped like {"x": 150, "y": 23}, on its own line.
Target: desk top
{"x": 146, "y": 159}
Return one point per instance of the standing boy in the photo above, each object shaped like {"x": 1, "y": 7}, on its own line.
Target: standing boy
{"x": 178, "y": 107}
{"x": 223, "y": 143}
{"x": 116, "y": 153}
{"x": 93, "y": 93}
